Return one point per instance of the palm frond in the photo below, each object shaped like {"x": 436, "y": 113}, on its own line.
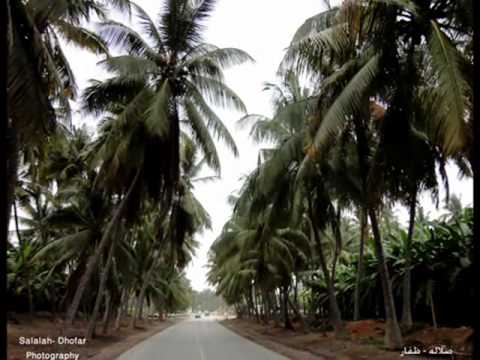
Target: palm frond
{"x": 118, "y": 35}
{"x": 224, "y": 58}
{"x": 217, "y": 93}
{"x": 28, "y": 90}
{"x": 129, "y": 65}
{"x": 315, "y": 24}
{"x": 158, "y": 115}
{"x": 202, "y": 135}
{"x": 82, "y": 38}
{"x": 73, "y": 242}
{"x": 452, "y": 88}
{"x": 105, "y": 95}
{"x": 181, "y": 23}
{"x": 307, "y": 54}
{"x": 349, "y": 101}
{"x": 148, "y": 26}
{"x": 213, "y": 121}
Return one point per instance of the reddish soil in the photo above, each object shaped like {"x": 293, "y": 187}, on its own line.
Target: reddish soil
{"x": 459, "y": 339}
{"x": 364, "y": 340}
{"x": 103, "y": 347}
{"x": 366, "y": 330}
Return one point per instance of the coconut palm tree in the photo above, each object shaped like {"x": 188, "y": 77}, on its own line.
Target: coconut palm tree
{"x": 156, "y": 88}
{"x": 291, "y": 103}
{"x": 32, "y": 82}
{"x": 276, "y": 175}
{"x": 173, "y": 231}
{"x": 40, "y": 80}
{"x": 170, "y": 76}
{"x": 428, "y": 24}
{"x": 350, "y": 50}
{"x": 256, "y": 256}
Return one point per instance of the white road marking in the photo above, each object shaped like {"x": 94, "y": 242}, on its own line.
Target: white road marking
{"x": 202, "y": 356}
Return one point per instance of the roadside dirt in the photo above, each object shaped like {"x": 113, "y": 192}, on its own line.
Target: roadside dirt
{"x": 103, "y": 347}
{"x": 365, "y": 340}
{"x": 259, "y": 335}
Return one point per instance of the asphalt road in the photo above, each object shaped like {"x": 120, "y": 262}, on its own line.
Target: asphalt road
{"x": 198, "y": 339}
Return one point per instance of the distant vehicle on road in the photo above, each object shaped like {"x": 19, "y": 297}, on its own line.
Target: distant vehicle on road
{"x": 206, "y": 313}
{"x": 198, "y": 316}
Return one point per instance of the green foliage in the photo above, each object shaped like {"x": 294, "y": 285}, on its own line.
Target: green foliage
{"x": 389, "y": 104}
{"x": 371, "y": 133}
{"x": 206, "y": 300}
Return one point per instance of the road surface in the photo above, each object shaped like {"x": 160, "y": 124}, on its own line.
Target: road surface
{"x": 198, "y": 339}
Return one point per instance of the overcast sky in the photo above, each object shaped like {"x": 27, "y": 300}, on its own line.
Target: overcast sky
{"x": 263, "y": 28}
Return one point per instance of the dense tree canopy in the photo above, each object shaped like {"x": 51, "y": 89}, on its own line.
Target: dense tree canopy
{"x": 105, "y": 222}
{"x": 387, "y": 106}
{"x": 373, "y": 101}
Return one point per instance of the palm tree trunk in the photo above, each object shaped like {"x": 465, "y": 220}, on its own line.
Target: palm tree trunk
{"x": 107, "y": 305}
{"x": 360, "y": 125}
{"x": 237, "y": 311}
{"x": 17, "y": 227}
{"x": 255, "y": 304}
{"x": 120, "y": 311}
{"x": 286, "y": 318}
{"x": 272, "y": 299}
{"x": 133, "y": 320}
{"x": 108, "y": 315}
{"x": 305, "y": 303}
{"x": 258, "y": 301}
{"x": 118, "y": 319}
{"x": 128, "y": 303}
{"x": 100, "y": 293}
{"x": 247, "y": 308}
{"x": 393, "y": 336}
{"x": 338, "y": 243}
{"x": 272, "y": 304}
{"x": 142, "y": 306}
{"x": 265, "y": 308}
{"x": 141, "y": 296}
{"x": 93, "y": 260}
{"x": 295, "y": 291}
{"x": 249, "y": 301}
{"x": 432, "y": 309}
{"x": 310, "y": 304}
{"x": 138, "y": 308}
{"x": 359, "y": 277}
{"x": 31, "y": 308}
{"x": 278, "y": 305}
{"x": 83, "y": 312}
{"x": 407, "y": 320}
{"x": 334, "y": 310}
{"x": 300, "y": 317}
{"x": 12, "y": 169}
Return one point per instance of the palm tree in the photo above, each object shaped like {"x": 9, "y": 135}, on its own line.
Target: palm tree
{"x": 292, "y": 103}
{"x": 32, "y": 81}
{"x": 40, "y": 80}
{"x": 453, "y": 206}
{"x": 169, "y": 76}
{"x": 251, "y": 257}
{"x": 408, "y": 180}
{"x": 156, "y": 89}
{"x": 355, "y": 61}
{"x": 444, "y": 61}
{"x": 276, "y": 175}
{"x": 173, "y": 232}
